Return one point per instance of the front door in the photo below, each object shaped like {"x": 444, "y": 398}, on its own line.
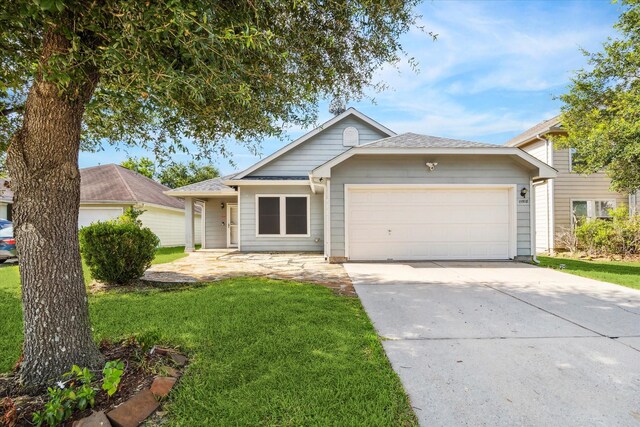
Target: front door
{"x": 232, "y": 225}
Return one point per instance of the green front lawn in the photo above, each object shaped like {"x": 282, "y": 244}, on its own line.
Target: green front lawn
{"x": 164, "y": 255}
{"x": 263, "y": 352}
{"x": 625, "y": 273}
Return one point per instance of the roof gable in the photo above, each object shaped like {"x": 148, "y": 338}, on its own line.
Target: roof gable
{"x": 351, "y": 114}
{"x": 548, "y": 126}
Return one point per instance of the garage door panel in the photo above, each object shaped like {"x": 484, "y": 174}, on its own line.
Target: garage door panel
{"x": 429, "y": 223}
{"x": 87, "y": 216}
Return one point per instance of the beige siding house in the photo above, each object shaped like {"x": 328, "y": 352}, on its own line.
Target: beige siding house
{"x": 355, "y": 190}
{"x": 559, "y": 201}
{"x": 107, "y": 190}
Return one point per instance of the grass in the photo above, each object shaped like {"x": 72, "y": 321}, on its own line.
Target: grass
{"x": 164, "y": 255}
{"x": 263, "y": 352}
{"x": 625, "y": 273}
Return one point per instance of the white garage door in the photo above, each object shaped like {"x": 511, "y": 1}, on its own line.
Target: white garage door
{"x": 429, "y": 223}
{"x": 89, "y": 215}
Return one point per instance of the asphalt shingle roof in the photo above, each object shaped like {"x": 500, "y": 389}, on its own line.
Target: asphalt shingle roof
{"x": 539, "y": 129}
{"x": 114, "y": 183}
{"x": 214, "y": 184}
{"x": 413, "y": 140}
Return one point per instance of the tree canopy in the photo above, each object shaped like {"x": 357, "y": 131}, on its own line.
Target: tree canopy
{"x": 202, "y": 71}
{"x": 144, "y": 166}
{"x": 601, "y": 111}
{"x": 173, "y": 175}
{"x": 156, "y": 74}
{"x": 180, "y": 174}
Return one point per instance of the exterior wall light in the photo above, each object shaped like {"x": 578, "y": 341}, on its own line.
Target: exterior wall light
{"x": 431, "y": 166}
{"x": 524, "y": 192}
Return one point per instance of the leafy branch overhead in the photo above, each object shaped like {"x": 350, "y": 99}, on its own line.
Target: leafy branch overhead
{"x": 601, "y": 111}
{"x": 173, "y": 175}
{"x": 200, "y": 70}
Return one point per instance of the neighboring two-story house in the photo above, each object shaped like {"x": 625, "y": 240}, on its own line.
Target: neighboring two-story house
{"x": 563, "y": 199}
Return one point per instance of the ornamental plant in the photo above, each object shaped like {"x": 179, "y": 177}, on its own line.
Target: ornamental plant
{"x": 119, "y": 251}
{"x": 76, "y": 391}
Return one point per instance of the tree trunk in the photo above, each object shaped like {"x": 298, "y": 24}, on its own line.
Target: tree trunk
{"x": 43, "y": 165}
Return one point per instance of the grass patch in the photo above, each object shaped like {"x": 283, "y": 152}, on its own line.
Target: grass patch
{"x": 164, "y": 255}
{"x": 263, "y": 352}
{"x": 625, "y": 273}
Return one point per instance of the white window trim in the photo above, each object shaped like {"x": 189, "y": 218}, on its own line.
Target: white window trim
{"x": 591, "y": 208}
{"x": 283, "y": 215}
{"x": 571, "y": 152}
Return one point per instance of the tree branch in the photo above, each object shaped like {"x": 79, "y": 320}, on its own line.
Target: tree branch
{"x": 11, "y": 110}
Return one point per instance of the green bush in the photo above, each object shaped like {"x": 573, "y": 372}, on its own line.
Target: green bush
{"x": 619, "y": 235}
{"x": 118, "y": 251}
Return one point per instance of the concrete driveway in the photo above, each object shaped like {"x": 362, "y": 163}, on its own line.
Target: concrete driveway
{"x": 500, "y": 343}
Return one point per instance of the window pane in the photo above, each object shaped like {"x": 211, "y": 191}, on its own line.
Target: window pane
{"x": 296, "y": 215}
{"x": 602, "y": 208}
{"x": 580, "y": 209}
{"x": 268, "y": 215}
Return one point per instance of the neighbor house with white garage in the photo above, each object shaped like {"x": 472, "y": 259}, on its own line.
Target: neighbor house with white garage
{"x": 107, "y": 190}
{"x": 355, "y": 190}
{"x": 561, "y": 201}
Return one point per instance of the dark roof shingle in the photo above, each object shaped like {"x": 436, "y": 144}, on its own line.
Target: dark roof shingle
{"x": 214, "y": 184}
{"x": 114, "y": 183}
{"x": 413, "y": 140}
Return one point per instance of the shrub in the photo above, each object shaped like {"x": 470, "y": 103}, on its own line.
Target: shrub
{"x": 567, "y": 239}
{"x": 118, "y": 251}
{"x": 619, "y": 235}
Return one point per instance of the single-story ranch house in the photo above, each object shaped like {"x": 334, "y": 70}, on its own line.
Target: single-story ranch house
{"x": 355, "y": 190}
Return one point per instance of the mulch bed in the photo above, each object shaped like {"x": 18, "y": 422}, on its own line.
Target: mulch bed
{"x": 18, "y": 404}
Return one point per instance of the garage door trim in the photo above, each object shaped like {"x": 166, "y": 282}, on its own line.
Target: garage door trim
{"x": 513, "y": 223}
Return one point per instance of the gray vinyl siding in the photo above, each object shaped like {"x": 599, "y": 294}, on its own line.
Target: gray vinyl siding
{"x": 249, "y": 242}
{"x": 215, "y": 222}
{"x": 318, "y": 150}
{"x": 570, "y": 186}
{"x": 411, "y": 170}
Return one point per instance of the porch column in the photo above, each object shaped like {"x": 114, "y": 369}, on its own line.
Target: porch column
{"x": 188, "y": 225}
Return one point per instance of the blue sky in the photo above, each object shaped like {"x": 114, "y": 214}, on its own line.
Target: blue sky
{"x": 492, "y": 73}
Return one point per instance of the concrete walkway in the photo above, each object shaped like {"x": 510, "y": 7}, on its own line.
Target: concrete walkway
{"x": 207, "y": 265}
{"x": 507, "y": 343}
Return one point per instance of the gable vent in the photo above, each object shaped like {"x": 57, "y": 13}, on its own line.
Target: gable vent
{"x": 350, "y": 137}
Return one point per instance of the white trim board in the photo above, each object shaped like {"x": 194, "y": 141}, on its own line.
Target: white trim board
{"x": 349, "y": 112}
{"x": 513, "y": 205}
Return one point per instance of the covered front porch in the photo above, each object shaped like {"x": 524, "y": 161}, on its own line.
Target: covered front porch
{"x": 219, "y": 206}
{"x": 219, "y": 222}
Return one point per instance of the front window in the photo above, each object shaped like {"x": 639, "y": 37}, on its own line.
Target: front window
{"x": 591, "y": 209}
{"x": 283, "y": 215}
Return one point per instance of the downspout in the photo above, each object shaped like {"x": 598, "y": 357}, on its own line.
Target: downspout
{"x": 532, "y": 221}
{"x": 326, "y": 214}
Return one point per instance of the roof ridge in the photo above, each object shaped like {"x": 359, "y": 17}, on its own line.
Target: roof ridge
{"x": 139, "y": 175}
{"x": 124, "y": 181}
